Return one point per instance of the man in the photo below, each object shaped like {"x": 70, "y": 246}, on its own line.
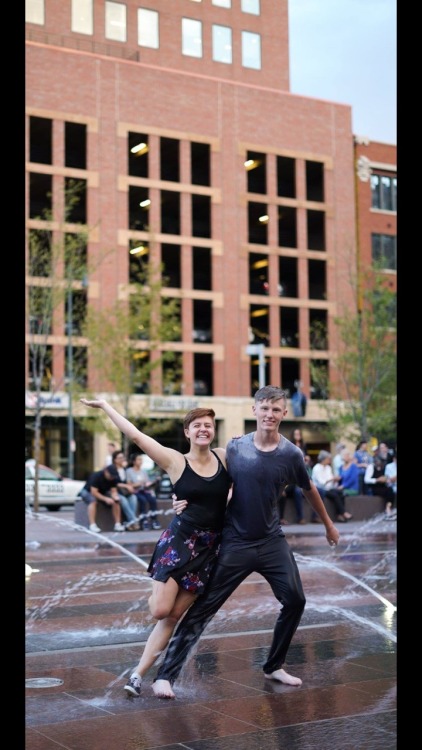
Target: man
{"x": 102, "y": 486}
{"x": 261, "y": 464}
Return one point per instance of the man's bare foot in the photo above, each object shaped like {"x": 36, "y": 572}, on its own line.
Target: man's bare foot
{"x": 162, "y": 689}
{"x": 281, "y": 676}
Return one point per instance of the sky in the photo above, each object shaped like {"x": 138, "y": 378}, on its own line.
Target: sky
{"x": 345, "y": 51}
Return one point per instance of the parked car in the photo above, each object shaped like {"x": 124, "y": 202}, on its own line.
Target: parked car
{"x": 53, "y": 489}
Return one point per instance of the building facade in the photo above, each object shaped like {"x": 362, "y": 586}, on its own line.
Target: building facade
{"x": 176, "y": 122}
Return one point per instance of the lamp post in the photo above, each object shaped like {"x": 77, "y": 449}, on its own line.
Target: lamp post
{"x": 259, "y": 350}
{"x": 70, "y": 426}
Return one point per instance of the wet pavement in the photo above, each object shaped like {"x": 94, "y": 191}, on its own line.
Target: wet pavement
{"x": 87, "y": 620}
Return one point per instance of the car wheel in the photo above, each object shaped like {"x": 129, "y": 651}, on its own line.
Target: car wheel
{"x": 53, "y": 508}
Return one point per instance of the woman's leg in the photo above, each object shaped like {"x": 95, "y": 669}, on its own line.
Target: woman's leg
{"x": 161, "y": 634}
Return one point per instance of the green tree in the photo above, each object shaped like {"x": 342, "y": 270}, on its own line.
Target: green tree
{"x": 56, "y": 271}
{"x": 362, "y": 401}
{"x": 127, "y": 343}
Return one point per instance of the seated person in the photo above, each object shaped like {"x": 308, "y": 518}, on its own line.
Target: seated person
{"x": 375, "y": 476}
{"x": 101, "y": 486}
{"x": 326, "y": 483}
{"x": 127, "y": 497}
{"x": 143, "y": 488}
{"x": 348, "y": 474}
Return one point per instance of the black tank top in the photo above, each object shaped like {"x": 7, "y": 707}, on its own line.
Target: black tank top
{"x": 207, "y": 496}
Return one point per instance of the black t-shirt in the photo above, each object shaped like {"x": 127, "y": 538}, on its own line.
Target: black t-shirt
{"x": 100, "y": 481}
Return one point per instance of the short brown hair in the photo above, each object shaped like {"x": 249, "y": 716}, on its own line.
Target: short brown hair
{"x": 197, "y": 414}
{"x": 269, "y": 393}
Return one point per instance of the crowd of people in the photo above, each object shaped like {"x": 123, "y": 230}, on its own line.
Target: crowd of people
{"x": 362, "y": 472}
{"x": 127, "y": 487}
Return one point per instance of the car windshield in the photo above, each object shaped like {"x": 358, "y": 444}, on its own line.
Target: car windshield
{"x": 43, "y": 473}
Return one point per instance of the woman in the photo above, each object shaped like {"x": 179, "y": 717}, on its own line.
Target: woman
{"x": 325, "y": 481}
{"x": 144, "y": 492}
{"x": 186, "y": 551}
{"x": 348, "y": 474}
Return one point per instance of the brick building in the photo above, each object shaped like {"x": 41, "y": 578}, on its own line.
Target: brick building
{"x": 177, "y": 121}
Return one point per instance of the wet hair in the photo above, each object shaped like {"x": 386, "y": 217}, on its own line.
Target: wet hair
{"x": 197, "y": 414}
{"x": 269, "y": 393}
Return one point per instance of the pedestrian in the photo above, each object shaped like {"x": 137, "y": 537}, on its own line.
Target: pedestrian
{"x": 260, "y": 463}
{"x": 186, "y": 551}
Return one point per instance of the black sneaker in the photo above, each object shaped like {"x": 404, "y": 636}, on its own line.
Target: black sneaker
{"x": 156, "y": 525}
{"x": 133, "y": 685}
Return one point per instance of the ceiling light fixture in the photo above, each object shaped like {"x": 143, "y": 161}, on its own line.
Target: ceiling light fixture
{"x": 145, "y": 203}
{"x": 139, "y": 149}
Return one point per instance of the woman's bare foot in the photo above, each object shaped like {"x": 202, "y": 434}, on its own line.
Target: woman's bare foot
{"x": 162, "y": 689}
{"x": 281, "y": 676}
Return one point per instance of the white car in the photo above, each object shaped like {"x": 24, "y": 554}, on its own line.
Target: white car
{"x": 53, "y": 489}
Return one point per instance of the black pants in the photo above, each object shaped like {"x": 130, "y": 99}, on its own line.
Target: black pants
{"x": 336, "y": 497}
{"x": 274, "y": 560}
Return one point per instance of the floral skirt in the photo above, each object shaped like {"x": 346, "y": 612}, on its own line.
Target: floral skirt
{"x": 185, "y": 553}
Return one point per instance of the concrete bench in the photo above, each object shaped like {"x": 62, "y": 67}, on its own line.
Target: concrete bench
{"x": 362, "y": 507}
{"x": 104, "y": 516}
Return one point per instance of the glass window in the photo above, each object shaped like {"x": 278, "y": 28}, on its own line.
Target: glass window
{"x": 191, "y": 37}
{"x": 75, "y": 200}
{"x": 384, "y": 192}
{"x": 82, "y": 16}
{"x": 170, "y": 159}
{"x": 384, "y": 251}
{"x": 221, "y": 44}
{"x": 115, "y": 21}
{"x": 138, "y": 154}
{"x": 251, "y": 50}
{"x": 34, "y": 11}
{"x": 75, "y": 145}
{"x": 40, "y": 140}
{"x": 148, "y": 34}
{"x": 257, "y": 223}
{"x": 314, "y": 181}
{"x": 201, "y": 268}
{"x": 40, "y": 191}
{"x": 286, "y": 177}
{"x": 250, "y": 6}
{"x": 200, "y": 163}
{"x": 223, "y": 3}
{"x": 256, "y": 169}
{"x": 315, "y": 224}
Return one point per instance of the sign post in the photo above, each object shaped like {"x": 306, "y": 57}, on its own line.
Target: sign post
{"x": 259, "y": 350}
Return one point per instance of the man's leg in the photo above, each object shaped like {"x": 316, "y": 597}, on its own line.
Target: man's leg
{"x": 230, "y": 570}
{"x": 279, "y": 568}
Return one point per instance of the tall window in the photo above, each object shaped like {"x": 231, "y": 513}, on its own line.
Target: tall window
{"x": 75, "y": 145}
{"x": 251, "y": 50}
{"x": 221, "y": 44}
{"x": 115, "y": 21}
{"x": 40, "y": 140}
{"x": 384, "y": 192}
{"x": 34, "y": 11}
{"x": 82, "y": 16}
{"x": 384, "y": 251}
{"x": 148, "y": 34}
{"x": 191, "y": 37}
